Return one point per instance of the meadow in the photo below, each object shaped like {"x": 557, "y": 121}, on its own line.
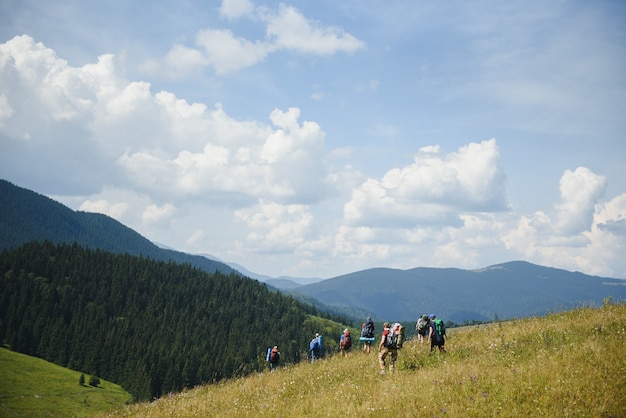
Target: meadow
{"x": 566, "y": 364}
{"x": 31, "y": 387}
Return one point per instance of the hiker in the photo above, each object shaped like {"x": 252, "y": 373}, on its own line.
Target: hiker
{"x": 422, "y": 328}
{"x": 386, "y": 350}
{"x": 345, "y": 343}
{"x": 367, "y": 334}
{"x": 436, "y": 333}
{"x": 316, "y": 347}
{"x": 274, "y": 358}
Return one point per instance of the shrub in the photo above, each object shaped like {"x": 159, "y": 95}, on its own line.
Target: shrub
{"x": 94, "y": 381}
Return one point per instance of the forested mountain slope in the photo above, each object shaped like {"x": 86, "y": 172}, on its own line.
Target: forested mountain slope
{"x": 27, "y": 216}
{"x": 152, "y": 327}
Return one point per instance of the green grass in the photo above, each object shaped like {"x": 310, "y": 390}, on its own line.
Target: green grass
{"x": 31, "y": 387}
{"x": 570, "y": 364}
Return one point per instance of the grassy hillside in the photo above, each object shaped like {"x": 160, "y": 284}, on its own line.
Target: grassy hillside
{"x": 31, "y": 387}
{"x": 569, "y": 364}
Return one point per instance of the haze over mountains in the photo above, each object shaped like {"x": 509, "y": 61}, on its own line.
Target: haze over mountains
{"x": 508, "y": 290}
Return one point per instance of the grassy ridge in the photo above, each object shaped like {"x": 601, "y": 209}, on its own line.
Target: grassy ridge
{"x": 31, "y": 387}
{"x": 570, "y": 364}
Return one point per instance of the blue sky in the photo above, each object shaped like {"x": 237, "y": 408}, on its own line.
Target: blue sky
{"x": 313, "y": 139}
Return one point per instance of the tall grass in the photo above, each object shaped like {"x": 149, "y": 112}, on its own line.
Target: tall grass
{"x": 570, "y": 364}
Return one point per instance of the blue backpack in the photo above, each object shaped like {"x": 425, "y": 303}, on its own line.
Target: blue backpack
{"x": 316, "y": 344}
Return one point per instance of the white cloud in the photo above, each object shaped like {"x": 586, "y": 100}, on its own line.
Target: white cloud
{"x": 181, "y": 61}
{"x": 114, "y": 210}
{"x": 154, "y": 213}
{"x": 6, "y": 111}
{"x": 163, "y": 145}
{"x": 432, "y": 189}
{"x": 228, "y": 53}
{"x": 611, "y": 216}
{"x": 275, "y": 227}
{"x": 286, "y": 29}
{"x": 582, "y": 234}
{"x": 289, "y": 29}
{"x": 580, "y": 191}
{"x": 234, "y": 9}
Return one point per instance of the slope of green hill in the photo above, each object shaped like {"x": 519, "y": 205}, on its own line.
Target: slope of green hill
{"x": 32, "y": 387}
{"x": 568, "y": 364}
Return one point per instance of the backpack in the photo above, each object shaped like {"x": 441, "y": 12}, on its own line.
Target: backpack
{"x": 368, "y": 330}
{"x": 440, "y": 327}
{"x": 395, "y": 337}
{"x": 274, "y": 356}
{"x": 422, "y": 324}
{"x": 315, "y": 345}
{"x": 347, "y": 341}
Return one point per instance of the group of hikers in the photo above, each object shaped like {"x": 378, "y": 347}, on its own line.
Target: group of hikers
{"x": 428, "y": 327}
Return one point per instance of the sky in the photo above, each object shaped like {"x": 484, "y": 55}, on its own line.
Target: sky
{"x": 315, "y": 139}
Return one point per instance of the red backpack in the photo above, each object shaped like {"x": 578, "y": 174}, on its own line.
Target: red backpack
{"x": 347, "y": 340}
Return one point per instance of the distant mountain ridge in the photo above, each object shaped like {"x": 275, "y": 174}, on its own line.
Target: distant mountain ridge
{"x": 27, "y": 216}
{"x": 509, "y": 290}
{"x": 283, "y": 282}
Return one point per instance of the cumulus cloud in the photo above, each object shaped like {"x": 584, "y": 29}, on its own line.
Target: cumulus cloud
{"x": 225, "y": 52}
{"x": 180, "y": 61}
{"x": 580, "y": 233}
{"x": 289, "y": 29}
{"x": 580, "y": 190}
{"x": 163, "y": 145}
{"x": 274, "y": 226}
{"x": 434, "y": 188}
{"x": 611, "y": 216}
{"x": 234, "y": 9}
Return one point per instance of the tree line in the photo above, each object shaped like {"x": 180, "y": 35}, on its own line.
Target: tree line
{"x": 153, "y": 327}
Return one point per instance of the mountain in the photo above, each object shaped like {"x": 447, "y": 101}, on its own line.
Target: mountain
{"x": 28, "y": 216}
{"x": 152, "y": 327}
{"x": 509, "y": 290}
{"x": 282, "y": 282}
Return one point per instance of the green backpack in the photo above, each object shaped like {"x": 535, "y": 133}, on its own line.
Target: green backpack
{"x": 440, "y": 327}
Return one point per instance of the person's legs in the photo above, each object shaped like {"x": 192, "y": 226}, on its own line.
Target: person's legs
{"x": 381, "y": 359}
{"x": 392, "y": 360}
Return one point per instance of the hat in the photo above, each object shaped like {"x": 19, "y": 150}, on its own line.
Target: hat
{"x": 431, "y": 316}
